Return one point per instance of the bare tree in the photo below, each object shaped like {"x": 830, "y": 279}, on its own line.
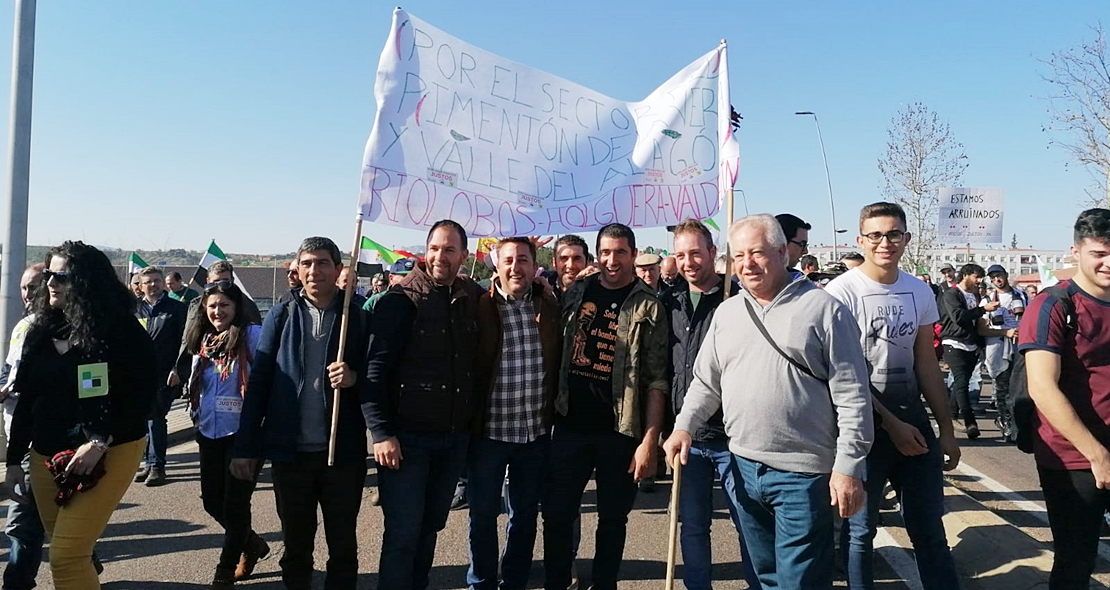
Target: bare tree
{"x": 921, "y": 157}
{"x": 1079, "y": 107}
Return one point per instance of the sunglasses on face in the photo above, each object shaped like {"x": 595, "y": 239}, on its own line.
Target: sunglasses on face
{"x": 59, "y": 276}
{"x": 894, "y": 236}
{"x": 218, "y": 285}
{"x": 804, "y": 244}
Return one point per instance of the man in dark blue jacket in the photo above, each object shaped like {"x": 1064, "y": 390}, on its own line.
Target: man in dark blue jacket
{"x": 287, "y": 416}
{"x": 164, "y": 319}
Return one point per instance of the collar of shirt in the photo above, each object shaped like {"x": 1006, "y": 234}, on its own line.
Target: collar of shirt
{"x": 156, "y": 302}
{"x": 508, "y": 296}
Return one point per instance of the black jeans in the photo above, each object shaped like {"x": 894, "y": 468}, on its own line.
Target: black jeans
{"x": 574, "y": 456}
{"x": 226, "y": 498}
{"x": 1075, "y": 508}
{"x": 1002, "y": 397}
{"x": 301, "y": 485}
{"x": 961, "y": 363}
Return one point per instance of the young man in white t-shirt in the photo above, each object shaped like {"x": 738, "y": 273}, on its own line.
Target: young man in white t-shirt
{"x": 896, "y": 313}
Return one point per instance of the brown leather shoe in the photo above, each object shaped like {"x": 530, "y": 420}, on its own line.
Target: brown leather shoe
{"x": 256, "y": 549}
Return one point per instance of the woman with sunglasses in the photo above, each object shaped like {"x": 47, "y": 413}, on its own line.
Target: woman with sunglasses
{"x": 223, "y": 345}
{"x": 86, "y": 383}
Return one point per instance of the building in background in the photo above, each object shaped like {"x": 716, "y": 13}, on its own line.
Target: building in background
{"x": 1020, "y": 263}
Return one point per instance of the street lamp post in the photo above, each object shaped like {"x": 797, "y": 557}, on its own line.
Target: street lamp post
{"x": 832, "y": 206}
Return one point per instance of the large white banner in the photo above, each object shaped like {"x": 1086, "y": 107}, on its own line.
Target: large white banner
{"x": 970, "y": 215}
{"x": 506, "y": 150}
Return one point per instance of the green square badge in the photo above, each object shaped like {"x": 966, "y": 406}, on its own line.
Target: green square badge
{"x": 92, "y": 380}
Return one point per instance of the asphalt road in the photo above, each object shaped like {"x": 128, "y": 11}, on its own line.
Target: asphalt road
{"x": 161, "y": 539}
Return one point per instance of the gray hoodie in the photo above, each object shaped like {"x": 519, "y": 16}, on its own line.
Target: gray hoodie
{"x": 774, "y": 413}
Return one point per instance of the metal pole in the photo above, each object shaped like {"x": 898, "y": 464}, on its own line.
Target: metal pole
{"x": 19, "y": 168}
{"x": 828, "y": 179}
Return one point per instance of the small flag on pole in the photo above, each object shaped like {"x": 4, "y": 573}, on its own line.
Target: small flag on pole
{"x": 212, "y": 255}
{"x": 713, "y": 224}
{"x": 135, "y": 264}
{"x": 1047, "y": 278}
{"x": 370, "y": 252}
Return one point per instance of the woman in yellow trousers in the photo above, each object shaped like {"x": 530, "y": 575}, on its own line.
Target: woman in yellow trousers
{"x": 86, "y": 382}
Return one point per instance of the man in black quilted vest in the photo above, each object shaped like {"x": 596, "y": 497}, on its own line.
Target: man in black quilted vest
{"x": 420, "y": 381}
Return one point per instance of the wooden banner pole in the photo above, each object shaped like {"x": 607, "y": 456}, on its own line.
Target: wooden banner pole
{"x": 348, "y": 295}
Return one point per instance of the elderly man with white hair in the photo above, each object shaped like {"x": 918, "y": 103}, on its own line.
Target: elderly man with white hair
{"x": 783, "y": 360}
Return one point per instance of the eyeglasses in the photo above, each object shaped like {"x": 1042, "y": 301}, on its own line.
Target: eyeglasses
{"x": 217, "y": 286}
{"x": 59, "y": 276}
{"x": 894, "y": 236}
{"x": 291, "y": 272}
{"x": 804, "y": 244}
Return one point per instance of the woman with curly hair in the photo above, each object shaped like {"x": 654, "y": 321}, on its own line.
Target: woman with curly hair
{"x": 223, "y": 345}
{"x": 86, "y": 381}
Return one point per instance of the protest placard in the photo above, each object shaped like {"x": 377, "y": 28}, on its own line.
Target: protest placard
{"x": 504, "y": 149}
{"x": 970, "y": 215}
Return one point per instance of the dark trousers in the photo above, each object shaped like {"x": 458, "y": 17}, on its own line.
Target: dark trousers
{"x": 304, "y": 483}
{"x": 919, "y": 483}
{"x": 25, "y": 532}
{"x": 526, "y": 464}
{"x": 158, "y": 429}
{"x": 226, "y": 498}
{"x": 416, "y": 499}
{"x": 961, "y": 363}
{"x": 574, "y": 456}
{"x": 1075, "y": 508}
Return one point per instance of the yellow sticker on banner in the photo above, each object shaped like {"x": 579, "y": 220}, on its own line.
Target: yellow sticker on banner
{"x": 92, "y": 380}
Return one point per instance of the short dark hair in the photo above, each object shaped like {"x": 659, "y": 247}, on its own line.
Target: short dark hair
{"x": 573, "y": 240}
{"x": 853, "y": 256}
{"x": 807, "y": 261}
{"x": 693, "y": 226}
{"x": 882, "y": 209}
{"x": 150, "y": 270}
{"x": 319, "y": 243}
{"x": 174, "y": 275}
{"x": 617, "y": 231}
{"x": 791, "y": 224}
{"x": 220, "y": 266}
{"x": 970, "y": 269}
{"x": 519, "y": 240}
{"x": 449, "y": 224}
{"x": 1093, "y": 224}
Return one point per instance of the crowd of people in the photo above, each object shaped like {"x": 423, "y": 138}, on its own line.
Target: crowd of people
{"x": 611, "y": 365}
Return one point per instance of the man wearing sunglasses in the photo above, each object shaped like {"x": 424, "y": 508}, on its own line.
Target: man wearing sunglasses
{"x": 797, "y": 237}
{"x": 293, "y": 280}
{"x": 164, "y": 320}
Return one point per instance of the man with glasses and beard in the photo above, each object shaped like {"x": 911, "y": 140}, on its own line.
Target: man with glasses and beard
{"x": 797, "y": 237}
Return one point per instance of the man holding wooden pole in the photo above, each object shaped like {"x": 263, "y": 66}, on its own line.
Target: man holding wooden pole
{"x": 286, "y": 417}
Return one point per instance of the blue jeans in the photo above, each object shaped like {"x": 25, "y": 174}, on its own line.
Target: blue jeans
{"x": 919, "y": 483}
{"x": 707, "y": 461}
{"x": 158, "y": 429}
{"x": 25, "y": 532}
{"x": 788, "y": 526}
{"x": 574, "y": 456}
{"x": 527, "y": 466}
{"x": 415, "y": 499}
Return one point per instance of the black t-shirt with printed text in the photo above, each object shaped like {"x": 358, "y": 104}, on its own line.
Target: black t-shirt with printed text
{"x": 589, "y": 378}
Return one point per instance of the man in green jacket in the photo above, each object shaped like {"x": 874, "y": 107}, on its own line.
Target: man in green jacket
{"x": 608, "y": 409}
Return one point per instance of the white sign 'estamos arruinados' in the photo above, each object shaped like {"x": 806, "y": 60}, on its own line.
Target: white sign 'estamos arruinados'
{"x": 970, "y": 215}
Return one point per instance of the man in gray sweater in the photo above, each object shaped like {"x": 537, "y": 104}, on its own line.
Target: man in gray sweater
{"x": 798, "y": 421}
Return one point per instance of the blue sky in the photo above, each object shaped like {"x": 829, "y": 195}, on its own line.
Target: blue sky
{"x": 161, "y": 125}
